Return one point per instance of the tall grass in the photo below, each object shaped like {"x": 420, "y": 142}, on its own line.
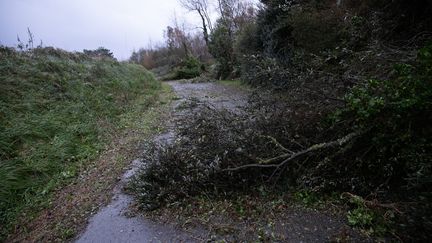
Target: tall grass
{"x": 57, "y": 110}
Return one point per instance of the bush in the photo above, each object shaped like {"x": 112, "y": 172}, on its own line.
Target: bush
{"x": 392, "y": 157}
{"x": 221, "y": 47}
{"x": 395, "y": 116}
{"x": 260, "y": 71}
{"x": 191, "y": 67}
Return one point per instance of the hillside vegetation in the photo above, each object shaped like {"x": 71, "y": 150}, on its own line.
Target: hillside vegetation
{"x": 57, "y": 111}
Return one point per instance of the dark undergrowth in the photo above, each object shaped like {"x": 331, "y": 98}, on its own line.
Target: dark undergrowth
{"x": 342, "y": 106}
{"x": 57, "y": 111}
{"x": 374, "y": 151}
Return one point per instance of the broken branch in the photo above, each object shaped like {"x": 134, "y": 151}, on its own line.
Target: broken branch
{"x": 289, "y": 157}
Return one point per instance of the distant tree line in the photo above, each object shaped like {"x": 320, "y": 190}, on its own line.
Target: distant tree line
{"x": 211, "y": 45}
{"x": 100, "y": 52}
{"x": 273, "y": 31}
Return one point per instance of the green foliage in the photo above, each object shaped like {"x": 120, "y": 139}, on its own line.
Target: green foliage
{"x": 369, "y": 221}
{"x": 284, "y": 30}
{"x": 246, "y": 42}
{"x": 191, "y": 67}
{"x": 273, "y": 30}
{"x": 406, "y": 93}
{"x": 57, "y": 110}
{"x": 372, "y": 221}
{"x": 362, "y": 217}
{"x": 221, "y": 47}
{"x": 396, "y": 113}
{"x": 306, "y": 197}
{"x": 394, "y": 151}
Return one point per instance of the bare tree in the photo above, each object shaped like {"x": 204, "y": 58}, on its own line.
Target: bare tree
{"x": 236, "y": 12}
{"x": 201, "y": 7}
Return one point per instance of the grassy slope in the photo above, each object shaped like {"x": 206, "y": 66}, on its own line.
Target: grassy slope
{"x": 57, "y": 111}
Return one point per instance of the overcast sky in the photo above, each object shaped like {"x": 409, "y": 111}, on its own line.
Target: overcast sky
{"x": 119, "y": 25}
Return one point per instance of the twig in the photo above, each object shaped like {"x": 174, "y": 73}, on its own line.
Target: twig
{"x": 279, "y": 145}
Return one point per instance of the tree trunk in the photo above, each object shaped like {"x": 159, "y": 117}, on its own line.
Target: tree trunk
{"x": 204, "y": 26}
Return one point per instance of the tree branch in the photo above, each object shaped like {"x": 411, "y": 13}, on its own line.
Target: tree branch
{"x": 289, "y": 157}
{"x": 279, "y": 145}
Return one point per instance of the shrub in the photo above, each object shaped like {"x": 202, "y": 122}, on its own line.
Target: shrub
{"x": 191, "y": 67}
{"x": 395, "y": 114}
{"x": 393, "y": 155}
{"x": 221, "y": 47}
{"x": 264, "y": 72}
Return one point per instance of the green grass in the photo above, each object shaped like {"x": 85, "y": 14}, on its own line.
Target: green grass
{"x": 57, "y": 111}
{"x": 145, "y": 104}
